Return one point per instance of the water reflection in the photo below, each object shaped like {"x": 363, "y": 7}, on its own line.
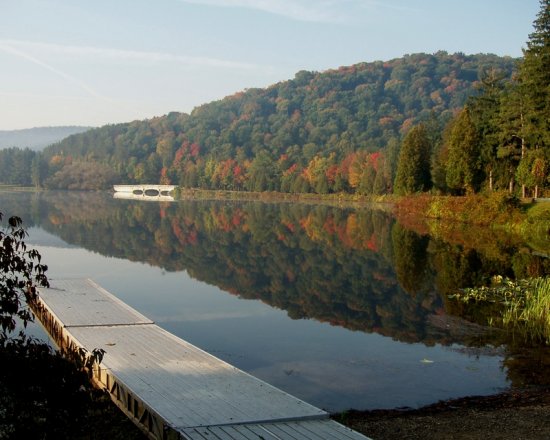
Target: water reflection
{"x": 144, "y": 197}
{"x": 355, "y": 269}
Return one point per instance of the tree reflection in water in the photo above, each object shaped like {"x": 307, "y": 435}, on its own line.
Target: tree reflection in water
{"x": 354, "y": 268}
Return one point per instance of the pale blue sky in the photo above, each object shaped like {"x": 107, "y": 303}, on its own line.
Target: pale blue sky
{"x": 83, "y": 62}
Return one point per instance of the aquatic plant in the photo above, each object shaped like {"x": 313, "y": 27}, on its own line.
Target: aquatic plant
{"x": 524, "y": 305}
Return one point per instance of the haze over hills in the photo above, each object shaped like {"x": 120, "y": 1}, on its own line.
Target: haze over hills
{"x": 37, "y": 138}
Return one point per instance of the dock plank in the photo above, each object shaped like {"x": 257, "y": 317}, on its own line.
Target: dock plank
{"x": 179, "y": 373}
{"x": 194, "y": 393}
{"x": 80, "y": 302}
{"x": 298, "y": 430}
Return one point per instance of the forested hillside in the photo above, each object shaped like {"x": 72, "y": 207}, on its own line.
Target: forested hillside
{"x": 19, "y": 152}
{"x": 338, "y": 130}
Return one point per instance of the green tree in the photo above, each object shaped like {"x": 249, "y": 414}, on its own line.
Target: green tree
{"x": 391, "y": 156}
{"x": 382, "y": 182}
{"x": 165, "y": 148}
{"x": 439, "y": 168}
{"x": 15, "y": 166}
{"x": 152, "y": 168}
{"x": 262, "y": 173}
{"x": 368, "y": 177}
{"x": 513, "y": 132}
{"x": 413, "y": 168}
{"x": 525, "y": 109}
{"x": 532, "y": 171}
{"x": 463, "y": 163}
{"x": 39, "y": 170}
{"x": 21, "y": 272}
{"x": 485, "y": 114}
{"x": 535, "y": 77}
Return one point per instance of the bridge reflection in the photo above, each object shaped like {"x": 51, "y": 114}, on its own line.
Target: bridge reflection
{"x": 143, "y": 197}
{"x": 145, "y": 188}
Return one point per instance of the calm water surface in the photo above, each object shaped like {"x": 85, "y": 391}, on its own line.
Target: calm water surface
{"x": 343, "y": 308}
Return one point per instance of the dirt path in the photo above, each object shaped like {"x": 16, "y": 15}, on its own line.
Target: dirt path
{"x": 517, "y": 415}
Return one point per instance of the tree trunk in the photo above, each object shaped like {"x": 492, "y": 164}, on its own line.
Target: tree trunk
{"x": 536, "y": 191}
{"x": 511, "y": 186}
{"x": 523, "y": 151}
{"x": 491, "y": 180}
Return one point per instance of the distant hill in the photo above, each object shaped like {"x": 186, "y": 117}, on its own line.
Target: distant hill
{"x": 37, "y": 138}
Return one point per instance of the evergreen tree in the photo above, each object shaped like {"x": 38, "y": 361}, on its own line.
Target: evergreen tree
{"x": 524, "y": 111}
{"x": 39, "y": 169}
{"x": 381, "y": 183}
{"x": 532, "y": 171}
{"x": 413, "y": 168}
{"x": 439, "y": 168}
{"x": 391, "y": 156}
{"x": 463, "y": 164}
{"x": 484, "y": 111}
{"x": 512, "y": 134}
{"x": 535, "y": 77}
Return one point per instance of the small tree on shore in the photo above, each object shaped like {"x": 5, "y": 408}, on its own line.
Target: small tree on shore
{"x": 21, "y": 272}
{"x": 44, "y": 394}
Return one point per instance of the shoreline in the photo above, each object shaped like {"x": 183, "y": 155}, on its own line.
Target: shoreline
{"x": 512, "y": 414}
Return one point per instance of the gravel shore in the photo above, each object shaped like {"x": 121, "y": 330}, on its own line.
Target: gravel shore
{"x": 513, "y": 415}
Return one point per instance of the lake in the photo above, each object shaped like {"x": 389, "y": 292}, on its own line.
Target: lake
{"x": 342, "y": 307}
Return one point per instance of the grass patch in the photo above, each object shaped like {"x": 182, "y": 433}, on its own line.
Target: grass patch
{"x": 479, "y": 209}
{"x": 6, "y": 187}
{"x": 535, "y": 227}
{"x": 523, "y": 305}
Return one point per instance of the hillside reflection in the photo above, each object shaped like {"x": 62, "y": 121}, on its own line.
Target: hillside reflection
{"x": 354, "y": 268}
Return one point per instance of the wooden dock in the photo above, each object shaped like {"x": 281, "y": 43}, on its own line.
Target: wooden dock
{"x": 168, "y": 387}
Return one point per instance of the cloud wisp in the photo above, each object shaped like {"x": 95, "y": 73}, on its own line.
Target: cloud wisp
{"x": 7, "y": 48}
{"x": 129, "y": 55}
{"x": 316, "y": 11}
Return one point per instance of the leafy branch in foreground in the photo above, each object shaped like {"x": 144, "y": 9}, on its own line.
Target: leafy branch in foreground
{"x": 21, "y": 272}
{"x": 524, "y": 305}
{"x": 45, "y": 394}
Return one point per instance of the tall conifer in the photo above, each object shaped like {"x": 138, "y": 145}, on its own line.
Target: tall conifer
{"x": 463, "y": 164}
{"x": 413, "y": 168}
{"x": 535, "y": 78}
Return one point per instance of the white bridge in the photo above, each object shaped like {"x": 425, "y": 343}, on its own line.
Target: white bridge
{"x": 145, "y": 190}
